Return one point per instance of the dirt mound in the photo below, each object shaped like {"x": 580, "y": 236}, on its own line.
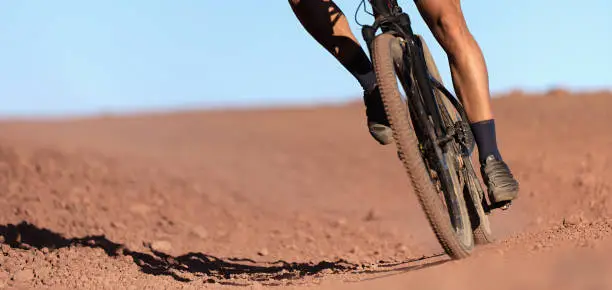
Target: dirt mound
{"x": 288, "y": 197}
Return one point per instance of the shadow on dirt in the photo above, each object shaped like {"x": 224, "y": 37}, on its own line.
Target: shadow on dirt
{"x": 212, "y": 269}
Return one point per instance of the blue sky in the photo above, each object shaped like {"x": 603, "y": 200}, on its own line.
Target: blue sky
{"x": 75, "y": 57}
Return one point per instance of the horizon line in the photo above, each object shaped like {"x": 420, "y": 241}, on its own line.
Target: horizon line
{"x": 269, "y": 105}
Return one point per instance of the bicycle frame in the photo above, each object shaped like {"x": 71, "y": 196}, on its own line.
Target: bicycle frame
{"x": 389, "y": 18}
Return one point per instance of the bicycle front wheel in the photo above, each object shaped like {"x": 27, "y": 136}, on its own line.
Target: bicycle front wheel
{"x": 453, "y": 230}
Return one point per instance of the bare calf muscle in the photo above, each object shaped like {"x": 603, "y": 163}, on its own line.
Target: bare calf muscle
{"x": 468, "y": 69}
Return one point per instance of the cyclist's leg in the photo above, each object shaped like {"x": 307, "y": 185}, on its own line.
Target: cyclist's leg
{"x": 471, "y": 83}
{"x": 327, "y": 25}
{"x": 467, "y": 64}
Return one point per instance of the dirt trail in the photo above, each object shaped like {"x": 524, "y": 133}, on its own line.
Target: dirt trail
{"x": 292, "y": 198}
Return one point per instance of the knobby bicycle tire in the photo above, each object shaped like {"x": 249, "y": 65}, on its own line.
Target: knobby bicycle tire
{"x": 385, "y": 46}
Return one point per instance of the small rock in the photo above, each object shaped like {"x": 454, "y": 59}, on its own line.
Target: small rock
{"x": 572, "y": 220}
{"x": 1, "y": 239}
{"x": 538, "y": 246}
{"x": 586, "y": 244}
{"x": 200, "y": 232}
{"x": 372, "y": 215}
{"x": 340, "y": 222}
{"x": 263, "y": 252}
{"x": 354, "y": 250}
{"x": 24, "y": 275}
{"x": 161, "y": 246}
{"x": 45, "y": 250}
{"x": 118, "y": 225}
{"x": 401, "y": 248}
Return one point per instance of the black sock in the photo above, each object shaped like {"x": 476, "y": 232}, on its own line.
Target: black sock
{"x": 484, "y": 134}
{"x": 367, "y": 80}
{"x": 361, "y": 68}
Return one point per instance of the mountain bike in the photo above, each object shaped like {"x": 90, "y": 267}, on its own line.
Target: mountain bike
{"x": 431, "y": 131}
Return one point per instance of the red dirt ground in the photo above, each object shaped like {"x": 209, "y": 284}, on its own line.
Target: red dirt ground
{"x": 292, "y": 198}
